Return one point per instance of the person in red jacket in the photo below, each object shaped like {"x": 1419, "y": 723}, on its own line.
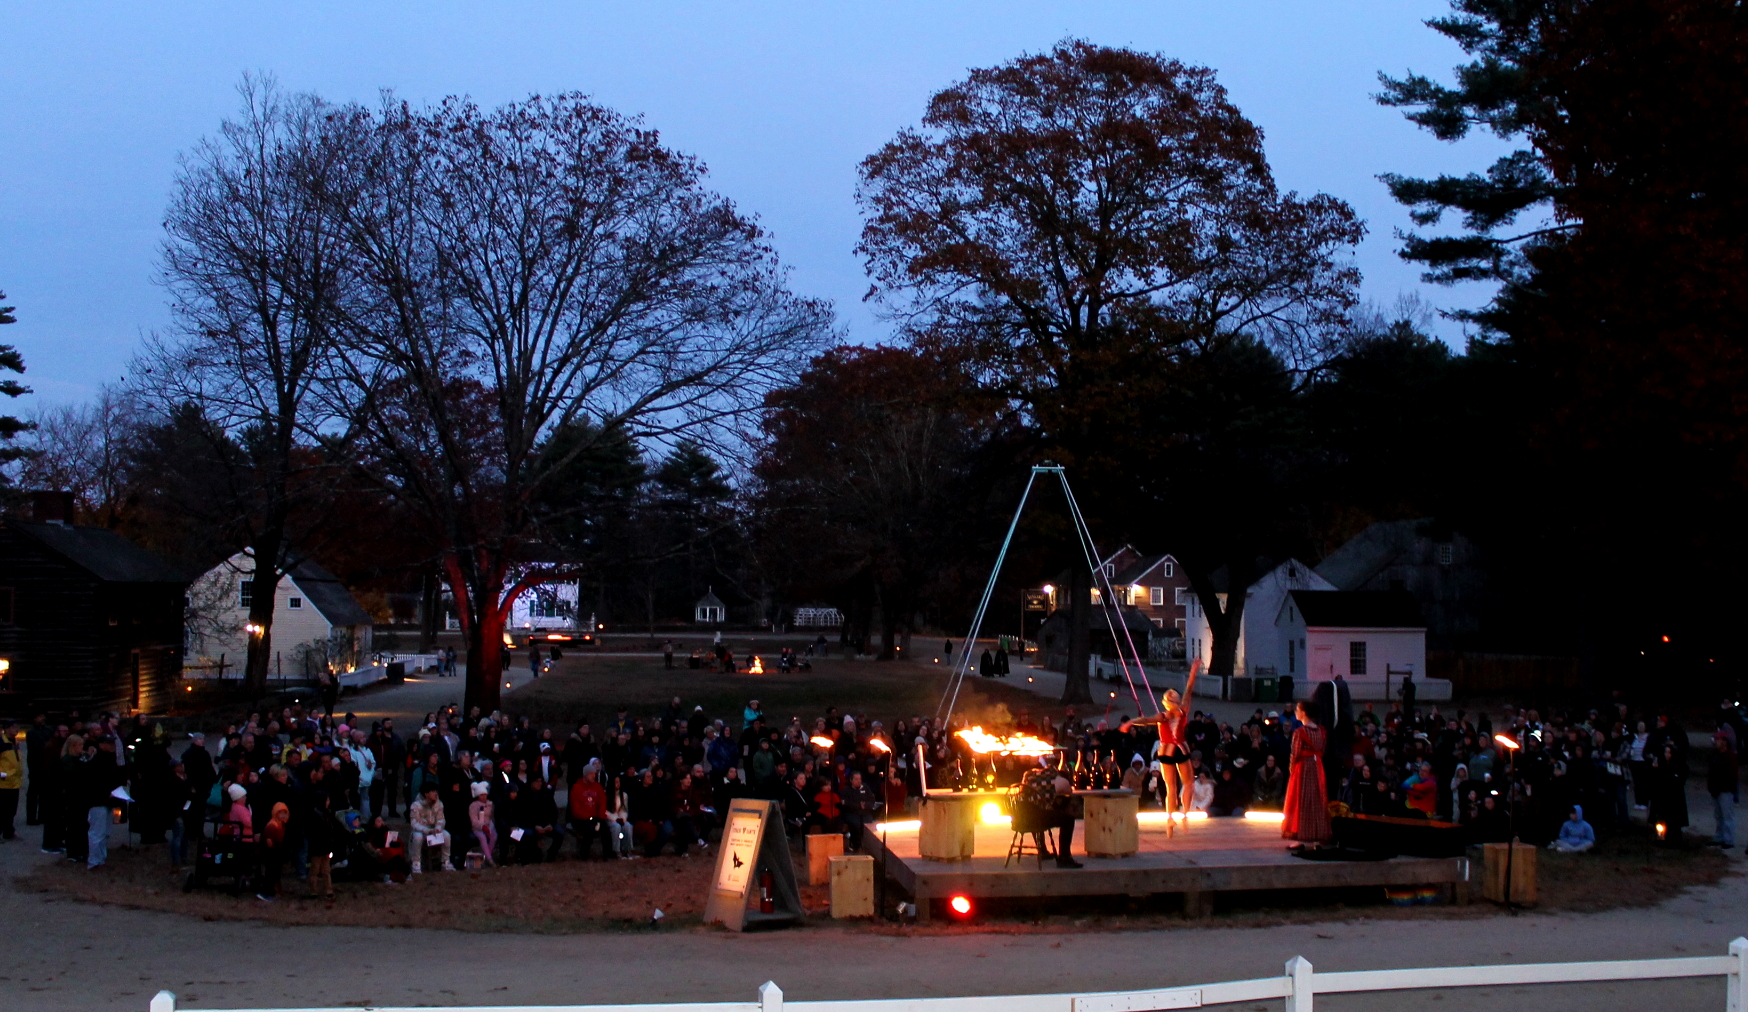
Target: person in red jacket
{"x": 588, "y": 812}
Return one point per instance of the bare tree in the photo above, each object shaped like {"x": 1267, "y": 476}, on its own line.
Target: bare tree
{"x": 530, "y": 268}
{"x": 82, "y": 448}
{"x": 250, "y": 261}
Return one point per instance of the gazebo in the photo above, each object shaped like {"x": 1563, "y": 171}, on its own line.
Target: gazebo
{"x": 709, "y": 610}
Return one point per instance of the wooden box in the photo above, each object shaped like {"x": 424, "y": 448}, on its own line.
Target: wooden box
{"x": 1523, "y": 873}
{"x": 1111, "y": 827}
{"x": 949, "y": 830}
{"x": 821, "y": 848}
{"x": 852, "y": 882}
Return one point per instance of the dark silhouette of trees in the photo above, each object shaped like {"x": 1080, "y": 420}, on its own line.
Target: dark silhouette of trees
{"x": 1077, "y": 226}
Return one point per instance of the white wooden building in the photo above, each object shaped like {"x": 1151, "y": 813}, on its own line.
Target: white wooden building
{"x": 317, "y": 622}
{"x": 1374, "y": 639}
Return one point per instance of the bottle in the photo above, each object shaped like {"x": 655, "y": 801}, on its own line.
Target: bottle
{"x": 767, "y": 891}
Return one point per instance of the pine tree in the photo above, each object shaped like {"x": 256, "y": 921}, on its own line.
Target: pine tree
{"x": 10, "y": 427}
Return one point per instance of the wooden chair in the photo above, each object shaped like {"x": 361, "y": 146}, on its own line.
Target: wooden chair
{"x": 1029, "y": 821}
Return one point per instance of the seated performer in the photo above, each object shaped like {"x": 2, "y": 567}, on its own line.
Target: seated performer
{"x": 1049, "y": 791}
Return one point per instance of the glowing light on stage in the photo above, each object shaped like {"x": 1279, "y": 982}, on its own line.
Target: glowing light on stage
{"x": 960, "y": 905}
{"x": 992, "y": 815}
{"x": 1266, "y": 816}
{"x": 1160, "y": 818}
{"x": 821, "y": 741}
{"x": 1018, "y": 744}
{"x": 758, "y": 667}
{"x": 900, "y": 826}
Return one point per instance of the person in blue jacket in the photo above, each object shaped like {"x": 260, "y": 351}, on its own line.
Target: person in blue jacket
{"x": 1576, "y": 836}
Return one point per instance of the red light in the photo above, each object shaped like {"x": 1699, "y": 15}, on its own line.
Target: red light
{"x": 1665, "y": 639}
{"x": 960, "y": 905}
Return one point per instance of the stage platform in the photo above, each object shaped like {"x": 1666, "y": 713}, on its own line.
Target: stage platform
{"x": 1211, "y": 856}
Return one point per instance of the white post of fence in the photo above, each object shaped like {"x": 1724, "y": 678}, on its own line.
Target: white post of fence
{"x": 1736, "y": 997}
{"x": 1298, "y": 984}
{"x": 770, "y": 997}
{"x": 164, "y": 1001}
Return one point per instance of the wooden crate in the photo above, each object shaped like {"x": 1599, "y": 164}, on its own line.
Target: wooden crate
{"x": 852, "y": 881}
{"x": 949, "y": 830}
{"x": 1523, "y": 873}
{"x": 821, "y": 848}
{"x": 1111, "y": 828}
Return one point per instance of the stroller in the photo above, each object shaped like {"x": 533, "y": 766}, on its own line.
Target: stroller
{"x": 226, "y": 853}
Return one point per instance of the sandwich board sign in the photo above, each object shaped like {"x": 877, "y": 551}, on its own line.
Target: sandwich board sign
{"x": 753, "y": 859}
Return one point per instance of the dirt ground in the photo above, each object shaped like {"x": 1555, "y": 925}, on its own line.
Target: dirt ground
{"x": 572, "y": 896}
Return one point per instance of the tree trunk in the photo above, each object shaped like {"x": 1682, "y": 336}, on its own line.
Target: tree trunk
{"x": 485, "y": 662}
{"x": 1225, "y": 622}
{"x": 430, "y": 608}
{"x": 263, "y": 595}
{"x": 483, "y": 612}
{"x": 888, "y": 627}
{"x": 1077, "y": 687}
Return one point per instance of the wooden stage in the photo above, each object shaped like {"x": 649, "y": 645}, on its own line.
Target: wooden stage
{"x": 1211, "y": 856}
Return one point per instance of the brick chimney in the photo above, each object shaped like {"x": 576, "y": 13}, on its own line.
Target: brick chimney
{"x": 51, "y": 506}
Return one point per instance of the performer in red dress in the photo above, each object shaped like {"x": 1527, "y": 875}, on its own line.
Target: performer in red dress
{"x": 1307, "y": 807}
{"x": 1174, "y": 748}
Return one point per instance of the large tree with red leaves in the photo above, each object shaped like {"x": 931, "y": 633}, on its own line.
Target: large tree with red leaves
{"x": 1079, "y": 227}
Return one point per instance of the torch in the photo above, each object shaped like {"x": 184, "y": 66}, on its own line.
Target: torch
{"x": 1511, "y": 748}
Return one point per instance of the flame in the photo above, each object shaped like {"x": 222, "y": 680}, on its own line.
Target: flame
{"x": 822, "y": 741}
{"x": 758, "y": 667}
{"x": 1019, "y": 744}
{"x": 992, "y": 815}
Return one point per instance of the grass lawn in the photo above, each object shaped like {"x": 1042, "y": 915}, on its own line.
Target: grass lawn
{"x": 582, "y": 686}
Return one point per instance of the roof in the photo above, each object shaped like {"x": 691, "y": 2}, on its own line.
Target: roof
{"x": 1359, "y": 609}
{"x": 330, "y": 597}
{"x": 101, "y": 552}
{"x": 710, "y": 600}
{"x": 1139, "y": 569}
{"x": 1370, "y": 551}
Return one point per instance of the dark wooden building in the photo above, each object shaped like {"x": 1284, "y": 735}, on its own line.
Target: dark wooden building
{"x": 89, "y": 621}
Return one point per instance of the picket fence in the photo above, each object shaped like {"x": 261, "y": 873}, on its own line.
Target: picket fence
{"x": 1298, "y": 985}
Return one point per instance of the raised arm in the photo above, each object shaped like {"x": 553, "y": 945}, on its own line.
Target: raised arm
{"x": 1190, "y": 682}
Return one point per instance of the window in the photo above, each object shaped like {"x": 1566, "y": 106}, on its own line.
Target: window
{"x": 1156, "y": 596}
{"x": 6, "y": 599}
{"x": 1110, "y": 569}
{"x": 1095, "y": 595}
{"x": 1292, "y": 656}
{"x": 1356, "y": 657}
{"x": 245, "y": 593}
{"x": 1443, "y": 554}
{"x": 1170, "y": 567}
{"x": 295, "y": 604}
{"x": 1181, "y": 596}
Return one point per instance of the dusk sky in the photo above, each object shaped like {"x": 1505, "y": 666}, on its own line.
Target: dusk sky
{"x": 780, "y": 100}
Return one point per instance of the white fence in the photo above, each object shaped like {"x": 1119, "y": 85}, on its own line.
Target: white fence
{"x": 1298, "y": 985}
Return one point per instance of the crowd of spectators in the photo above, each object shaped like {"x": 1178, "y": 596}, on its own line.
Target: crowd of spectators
{"x": 316, "y": 794}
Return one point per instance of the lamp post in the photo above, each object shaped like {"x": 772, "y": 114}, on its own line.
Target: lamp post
{"x": 1511, "y": 748}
